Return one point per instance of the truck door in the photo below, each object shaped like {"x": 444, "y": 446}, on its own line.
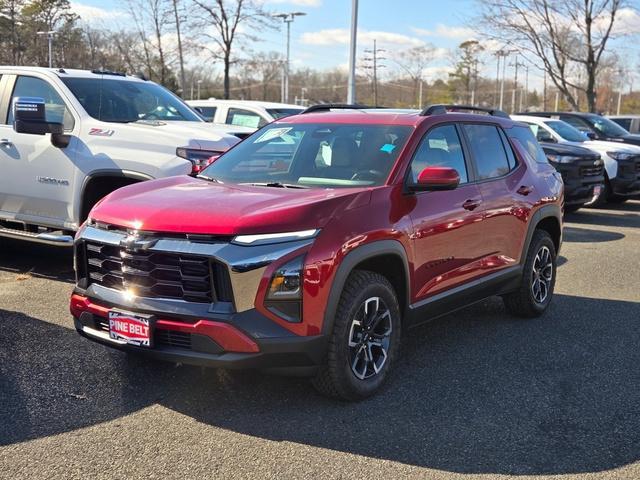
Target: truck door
{"x": 37, "y": 180}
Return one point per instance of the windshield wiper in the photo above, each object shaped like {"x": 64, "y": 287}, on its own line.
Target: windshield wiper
{"x": 210, "y": 179}
{"x": 275, "y": 185}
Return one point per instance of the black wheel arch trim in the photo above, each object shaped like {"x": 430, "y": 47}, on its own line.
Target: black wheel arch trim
{"x": 348, "y": 264}
{"x": 546, "y": 211}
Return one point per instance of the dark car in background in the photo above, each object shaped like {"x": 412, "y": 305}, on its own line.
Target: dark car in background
{"x": 595, "y": 126}
{"x": 631, "y": 123}
{"x": 582, "y": 171}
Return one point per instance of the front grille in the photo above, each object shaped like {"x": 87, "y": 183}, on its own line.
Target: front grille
{"x": 593, "y": 171}
{"x": 157, "y": 274}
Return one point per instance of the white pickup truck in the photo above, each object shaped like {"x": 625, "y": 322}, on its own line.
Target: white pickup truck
{"x": 70, "y": 137}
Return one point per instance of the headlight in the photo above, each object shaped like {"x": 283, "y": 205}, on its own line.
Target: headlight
{"x": 200, "y": 159}
{"x": 621, "y": 155}
{"x": 561, "y": 158}
{"x": 284, "y": 297}
{"x": 267, "y": 238}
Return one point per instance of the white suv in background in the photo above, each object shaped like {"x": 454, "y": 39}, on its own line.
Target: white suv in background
{"x": 621, "y": 161}
{"x": 70, "y": 137}
{"x": 243, "y": 113}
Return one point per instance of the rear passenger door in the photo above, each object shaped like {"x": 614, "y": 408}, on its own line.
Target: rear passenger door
{"x": 499, "y": 180}
{"x": 447, "y": 232}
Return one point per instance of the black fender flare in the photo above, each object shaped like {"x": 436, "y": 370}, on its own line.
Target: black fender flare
{"x": 137, "y": 176}
{"x": 543, "y": 212}
{"x": 348, "y": 264}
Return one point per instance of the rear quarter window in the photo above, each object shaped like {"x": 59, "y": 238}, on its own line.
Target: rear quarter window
{"x": 525, "y": 137}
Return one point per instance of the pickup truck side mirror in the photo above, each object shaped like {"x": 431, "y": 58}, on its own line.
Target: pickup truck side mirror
{"x": 591, "y": 135}
{"x": 29, "y": 117}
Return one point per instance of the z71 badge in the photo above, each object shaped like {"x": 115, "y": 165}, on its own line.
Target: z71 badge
{"x": 101, "y": 132}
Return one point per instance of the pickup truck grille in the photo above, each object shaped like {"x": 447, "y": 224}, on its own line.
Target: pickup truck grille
{"x": 157, "y": 274}
{"x": 594, "y": 171}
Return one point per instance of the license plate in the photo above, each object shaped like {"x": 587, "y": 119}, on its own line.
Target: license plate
{"x": 131, "y": 328}
{"x": 597, "y": 190}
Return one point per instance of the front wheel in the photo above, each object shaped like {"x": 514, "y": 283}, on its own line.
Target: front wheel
{"x": 365, "y": 340}
{"x": 538, "y": 279}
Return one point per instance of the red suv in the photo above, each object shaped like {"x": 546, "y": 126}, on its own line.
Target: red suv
{"x": 312, "y": 245}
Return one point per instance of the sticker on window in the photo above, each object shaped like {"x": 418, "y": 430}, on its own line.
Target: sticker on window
{"x": 272, "y": 133}
{"x": 440, "y": 143}
{"x": 245, "y": 120}
{"x": 387, "y": 148}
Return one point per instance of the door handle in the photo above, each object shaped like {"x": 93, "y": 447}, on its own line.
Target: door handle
{"x": 525, "y": 190}
{"x": 471, "y": 204}
{"x": 5, "y": 142}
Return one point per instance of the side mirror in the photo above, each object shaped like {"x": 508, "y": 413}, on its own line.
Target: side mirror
{"x": 29, "y": 117}
{"x": 547, "y": 139}
{"x": 437, "y": 178}
{"x": 590, "y": 135}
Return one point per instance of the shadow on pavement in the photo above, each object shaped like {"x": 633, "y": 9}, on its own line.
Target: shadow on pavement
{"x": 605, "y": 218}
{"x": 582, "y": 235}
{"x": 475, "y": 392}
{"x": 42, "y": 261}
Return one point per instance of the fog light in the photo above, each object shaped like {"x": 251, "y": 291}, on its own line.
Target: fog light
{"x": 284, "y": 297}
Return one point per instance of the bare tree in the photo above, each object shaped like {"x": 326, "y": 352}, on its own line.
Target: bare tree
{"x": 413, "y": 62}
{"x": 569, "y": 38}
{"x": 226, "y": 16}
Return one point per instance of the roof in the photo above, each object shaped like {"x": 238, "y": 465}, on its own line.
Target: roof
{"x": 69, "y": 73}
{"x": 249, "y": 103}
{"x": 547, "y": 114}
{"x": 531, "y": 118}
{"x": 383, "y": 116}
{"x": 624, "y": 116}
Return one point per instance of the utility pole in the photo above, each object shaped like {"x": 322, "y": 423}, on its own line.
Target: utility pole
{"x": 288, "y": 19}
{"x": 351, "y": 89}
{"x": 620, "y": 74}
{"x": 374, "y": 59}
{"x": 50, "y": 34}
{"x": 495, "y": 93}
{"x": 557, "y": 101}
{"x": 516, "y": 64}
{"x": 503, "y": 54}
{"x": 544, "y": 91}
{"x": 183, "y": 85}
{"x": 199, "y": 83}
{"x": 525, "y": 93}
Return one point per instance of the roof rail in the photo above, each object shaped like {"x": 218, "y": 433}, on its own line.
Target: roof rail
{"x": 444, "y": 108}
{"x": 98, "y": 71}
{"x": 324, "y": 107}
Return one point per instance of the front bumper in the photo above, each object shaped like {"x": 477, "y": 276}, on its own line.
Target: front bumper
{"x": 627, "y": 181}
{"x": 209, "y": 342}
{"x": 580, "y": 178}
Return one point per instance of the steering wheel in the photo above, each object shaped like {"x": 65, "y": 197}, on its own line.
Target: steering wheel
{"x": 367, "y": 175}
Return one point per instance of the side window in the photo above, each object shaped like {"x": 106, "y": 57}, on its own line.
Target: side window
{"x": 488, "y": 151}
{"x": 623, "y": 122}
{"x": 244, "y": 118}
{"x": 440, "y": 147}
{"x": 525, "y": 137}
{"x": 55, "y": 108}
{"x": 208, "y": 113}
{"x": 542, "y": 135}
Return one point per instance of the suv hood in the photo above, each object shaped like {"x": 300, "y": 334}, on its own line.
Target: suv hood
{"x": 192, "y": 205}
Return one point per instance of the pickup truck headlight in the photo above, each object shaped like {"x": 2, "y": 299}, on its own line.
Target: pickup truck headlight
{"x": 200, "y": 159}
{"x": 561, "y": 158}
{"x": 284, "y": 296}
{"x": 621, "y": 155}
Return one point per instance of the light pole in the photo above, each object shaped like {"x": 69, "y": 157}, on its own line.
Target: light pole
{"x": 288, "y": 19}
{"x": 50, "y": 34}
{"x": 199, "y": 83}
{"x": 351, "y": 89}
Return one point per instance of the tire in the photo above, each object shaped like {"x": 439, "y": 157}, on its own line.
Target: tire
{"x": 357, "y": 366}
{"x": 538, "y": 279}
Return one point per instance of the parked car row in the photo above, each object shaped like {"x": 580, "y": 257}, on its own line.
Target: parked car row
{"x": 309, "y": 246}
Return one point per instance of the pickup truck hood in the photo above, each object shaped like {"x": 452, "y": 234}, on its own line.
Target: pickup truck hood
{"x": 190, "y": 205}
{"x": 602, "y": 146}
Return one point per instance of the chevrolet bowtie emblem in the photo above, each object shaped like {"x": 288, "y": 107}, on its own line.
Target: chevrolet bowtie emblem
{"x": 135, "y": 242}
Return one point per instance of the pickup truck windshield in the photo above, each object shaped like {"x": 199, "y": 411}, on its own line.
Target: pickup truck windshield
{"x": 313, "y": 155}
{"x": 606, "y": 126}
{"x": 124, "y": 101}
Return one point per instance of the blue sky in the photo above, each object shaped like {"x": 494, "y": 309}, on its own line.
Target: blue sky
{"x": 320, "y": 39}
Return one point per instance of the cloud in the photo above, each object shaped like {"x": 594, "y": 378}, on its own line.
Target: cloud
{"x": 445, "y": 31}
{"x": 341, "y": 36}
{"x": 627, "y": 22}
{"x": 89, "y": 13}
{"x": 301, "y": 3}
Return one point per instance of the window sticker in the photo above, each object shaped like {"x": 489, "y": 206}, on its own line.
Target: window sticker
{"x": 245, "y": 120}
{"x": 534, "y": 128}
{"x": 387, "y": 148}
{"x": 272, "y": 133}
{"x": 440, "y": 143}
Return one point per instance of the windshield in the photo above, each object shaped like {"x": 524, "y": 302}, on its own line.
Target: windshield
{"x": 606, "y": 126}
{"x": 277, "y": 113}
{"x": 123, "y": 101}
{"x": 305, "y": 155}
{"x": 566, "y": 131}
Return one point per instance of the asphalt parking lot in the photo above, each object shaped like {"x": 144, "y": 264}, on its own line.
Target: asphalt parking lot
{"x": 478, "y": 393}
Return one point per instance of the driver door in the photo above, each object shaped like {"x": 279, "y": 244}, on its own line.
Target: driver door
{"x": 38, "y": 179}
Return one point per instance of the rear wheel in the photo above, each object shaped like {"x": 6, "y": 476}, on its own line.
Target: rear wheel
{"x": 538, "y": 279}
{"x": 365, "y": 340}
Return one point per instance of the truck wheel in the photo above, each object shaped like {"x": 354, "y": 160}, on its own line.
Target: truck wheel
{"x": 538, "y": 279}
{"x": 365, "y": 340}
